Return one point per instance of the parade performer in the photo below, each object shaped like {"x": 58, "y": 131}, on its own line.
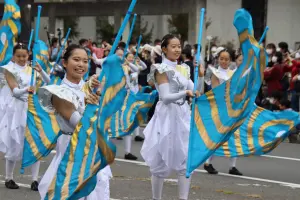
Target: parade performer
{"x": 68, "y": 101}
{"x": 219, "y": 76}
{"x": 167, "y": 134}
{"x": 13, "y": 111}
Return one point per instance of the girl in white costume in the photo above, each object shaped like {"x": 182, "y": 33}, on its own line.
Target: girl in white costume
{"x": 219, "y": 76}
{"x": 167, "y": 134}
{"x": 13, "y": 112}
{"x": 68, "y": 100}
{"x": 132, "y": 71}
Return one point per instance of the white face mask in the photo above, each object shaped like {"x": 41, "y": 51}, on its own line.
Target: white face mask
{"x": 274, "y": 59}
{"x": 193, "y": 52}
{"x": 269, "y": 51}
{"x": 213, "y": 49}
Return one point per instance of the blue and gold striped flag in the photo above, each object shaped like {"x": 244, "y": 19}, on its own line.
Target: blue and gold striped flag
{"x": 55, "y": 80}
{"x": 221, "y": 111}
{"x": 10, "y": 28}
{"x": 263, "y": 131}
{"x": 41, "y": 133}
{"x": 41, "y": 54}
{"x": 40, "y": 51}
{"x": 89, "y": 149}
{"x": 132, "y": 114}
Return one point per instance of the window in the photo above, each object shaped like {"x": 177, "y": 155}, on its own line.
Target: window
{"x": 258, "y": 11}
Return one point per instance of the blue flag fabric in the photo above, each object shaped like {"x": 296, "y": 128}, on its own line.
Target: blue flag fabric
{"x": 10, "y": 28}
{"x": 262, "y": 132}
{"x": 40, "y": 51}
{"x": 41, "y": 133}
{"x": 221, "y": 111}
{"x": 132, "y": 114}
{"x": 90, "y": 150}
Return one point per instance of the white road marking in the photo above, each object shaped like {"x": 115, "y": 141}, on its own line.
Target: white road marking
{"x": 287, "y": 184}
{"x": 28, "y": 186}
{"x": 267, "y": 156}
{"x": 283, "y": 158}
{"x": 20, "y": 184}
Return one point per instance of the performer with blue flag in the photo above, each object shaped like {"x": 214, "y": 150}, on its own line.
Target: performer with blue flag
{"x": 167, "y": 134}
{"x": 217, "y": 119}
{"x": 219, "y": 76}
{"x": 9, "y": 31}
{"x": 13, "y": 111}
{"x": 131, "y": 72}
{"x": 69, "y": 101}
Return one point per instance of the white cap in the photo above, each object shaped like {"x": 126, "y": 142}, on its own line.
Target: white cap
{"x": 157, "y": 50}
{"x": 147, "y": 47}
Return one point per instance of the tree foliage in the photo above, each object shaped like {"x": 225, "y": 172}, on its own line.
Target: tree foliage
{"x": 105, "y": 29}
{"x": 71, "y": 22}
{"x": 178, "y": 25}
{"x": 141, "y": 28}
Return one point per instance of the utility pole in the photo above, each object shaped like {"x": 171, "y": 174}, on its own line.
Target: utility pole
{"x": 26, "y": 19}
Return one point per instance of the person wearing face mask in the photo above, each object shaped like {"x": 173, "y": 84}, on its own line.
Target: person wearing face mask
{"x": 213, "y": 64}
{"x": 165, "y": 147}
{"x": 270, "y": 49}
{"x": 219, "y": 76}
{"x": 273, "y": 75}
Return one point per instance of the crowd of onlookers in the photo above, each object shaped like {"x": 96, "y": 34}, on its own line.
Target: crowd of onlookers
{"x": 280, "y": 89}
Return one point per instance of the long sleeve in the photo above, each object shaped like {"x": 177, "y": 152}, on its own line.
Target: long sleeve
{"x": 98, "y": 61}
{"x": 45, "y": 77}
{"x": 166, "y": 96}
{"x": 75, "y": 118}
{"x": 143, "y": 65}
{"x": 133, "y": 67}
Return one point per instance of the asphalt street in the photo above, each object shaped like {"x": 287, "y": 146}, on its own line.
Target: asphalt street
{"x": 272, "y": 177}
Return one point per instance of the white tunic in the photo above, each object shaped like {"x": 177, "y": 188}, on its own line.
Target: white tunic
{"x": 167, "y": 134}
{"x": 72, "y": 93}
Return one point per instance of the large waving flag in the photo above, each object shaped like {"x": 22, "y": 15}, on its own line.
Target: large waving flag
{"x": 40, "y": 51}
{"x": 10, "y": 28}
{"x": 41, "y": 133}
{"x": 132, "y": 114}
{"x": 41, "y": 54}
{"x": 90, "y": 149}
{"x": 221, "y": 111}
{"x": 263, "y": 131}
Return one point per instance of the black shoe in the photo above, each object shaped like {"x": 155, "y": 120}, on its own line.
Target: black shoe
{"x": 11, "y": 184}
{"x": 210, "y": 169}
{"x": 119, "y": 138}
{"x": 235, "y": 171}
{"x": 138, "y": 139}
{"x": 130, "y": 156}
{"x": 35, "y": 186}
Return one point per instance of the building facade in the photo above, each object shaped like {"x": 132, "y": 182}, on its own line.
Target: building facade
{"x": 282, "y": 17}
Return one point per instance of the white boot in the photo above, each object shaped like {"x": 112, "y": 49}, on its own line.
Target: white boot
{"x": 157, "y": 187}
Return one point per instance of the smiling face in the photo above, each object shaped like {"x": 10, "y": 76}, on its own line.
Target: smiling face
{"x": 173, "y": 49}
{"x": 76, "y": 65}
{"x": 21, "y": 57}
{"x": 130, "y": 57}
{"x": 224, "y": 60}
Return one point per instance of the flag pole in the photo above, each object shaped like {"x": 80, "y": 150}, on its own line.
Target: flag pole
{"x": 198, "y": 60}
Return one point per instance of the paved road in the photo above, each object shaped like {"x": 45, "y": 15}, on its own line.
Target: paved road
{"x": 275, "y": 177}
